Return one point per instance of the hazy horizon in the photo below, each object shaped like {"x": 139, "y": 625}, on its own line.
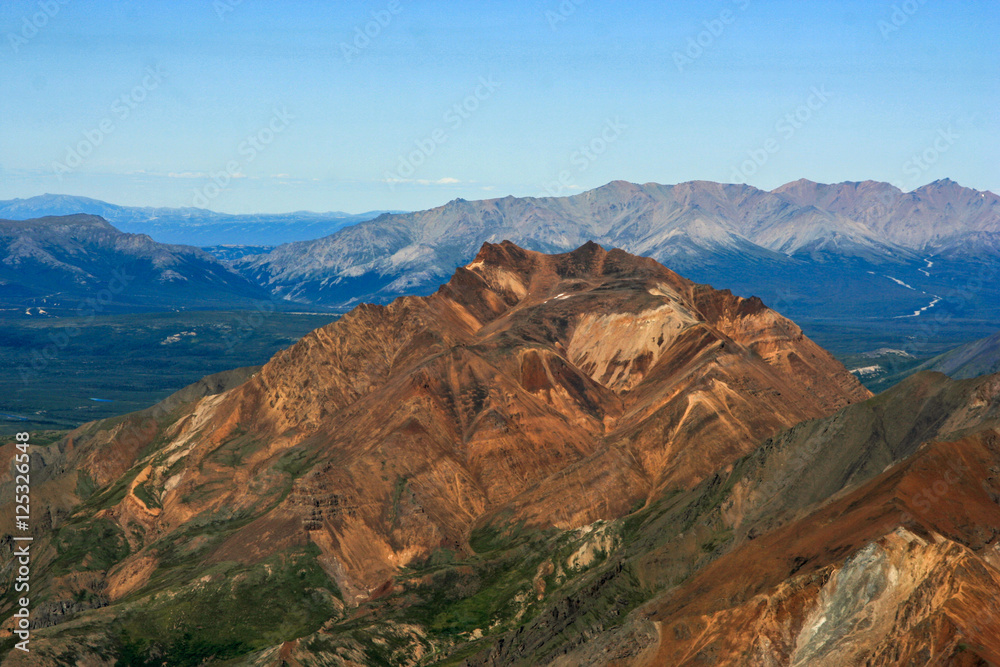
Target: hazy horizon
{"x": 498, "y": 196}
{"x": 240, "y": 107}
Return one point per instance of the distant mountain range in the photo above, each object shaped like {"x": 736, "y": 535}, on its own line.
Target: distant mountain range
{"x": 189, "y": 226}
{"x": 60, "y": 264}
{"x": 886, "y": 253}
{"x": 915, "y": 271}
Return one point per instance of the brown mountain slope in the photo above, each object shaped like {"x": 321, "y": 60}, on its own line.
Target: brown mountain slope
{"x": 802, "y": 552}
{"x": 551, "y": 389}
{"x": 904, "y": 570}
{"x": 564, "y": 388}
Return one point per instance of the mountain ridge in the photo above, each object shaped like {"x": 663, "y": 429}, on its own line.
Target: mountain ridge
{"x": 189, "y": 225}
{"x": 719, "y": 233}
{"x": 57, "y": 263}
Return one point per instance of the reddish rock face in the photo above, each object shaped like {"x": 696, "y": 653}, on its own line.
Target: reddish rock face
{"x": 902, "y": 570}
{"x": 553, "y": 389}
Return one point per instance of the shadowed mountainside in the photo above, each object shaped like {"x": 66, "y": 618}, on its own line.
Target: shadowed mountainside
{"x": 58, "y": 263}
{"x": 979, "y": 357}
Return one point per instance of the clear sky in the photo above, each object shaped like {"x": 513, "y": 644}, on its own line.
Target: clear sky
{"x": 140, "y": 103}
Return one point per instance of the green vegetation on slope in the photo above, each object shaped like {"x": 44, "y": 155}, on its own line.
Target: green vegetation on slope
{"x": 230, "y": 611}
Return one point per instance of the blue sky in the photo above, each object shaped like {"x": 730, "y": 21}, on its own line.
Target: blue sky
{"x": 249, "y": 105}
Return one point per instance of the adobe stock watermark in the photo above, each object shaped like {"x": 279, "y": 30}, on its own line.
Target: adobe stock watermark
{"x": 363, "y": 35}
{"x": 915, "y": 167}
{"x": 900, "y": 16}
{"x": 120, "y": 111}
{"x": 562, "y": 13}
{"x": 585, "y": 156}
{"x": 714, "y": 29}
{"x": 245, "y": 324}
{"x": 786, "y": 128}
{"x": 39, "y": 358}
{"x": 454, "y": 118}
{"x": 920, "y": 163}
{"x": 928, "y": 497}
{"x": 223, "y": 7}
{"x": 33, "y": 24}
{"x": 248, "y": 150}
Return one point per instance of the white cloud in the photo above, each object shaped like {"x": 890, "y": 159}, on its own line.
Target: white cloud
{"x": 447, "y": 180}
{"x": 199, "y": 174}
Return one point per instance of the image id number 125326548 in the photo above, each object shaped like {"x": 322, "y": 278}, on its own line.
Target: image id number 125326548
{"x": 22, "y": 539}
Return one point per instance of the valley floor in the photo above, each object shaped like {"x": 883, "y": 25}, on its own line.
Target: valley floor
{"x": 58, "y": 373}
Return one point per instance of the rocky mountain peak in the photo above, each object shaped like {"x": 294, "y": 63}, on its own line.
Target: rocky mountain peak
{"x": 509, "y": 392}
{"x": 505, "y": 255}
